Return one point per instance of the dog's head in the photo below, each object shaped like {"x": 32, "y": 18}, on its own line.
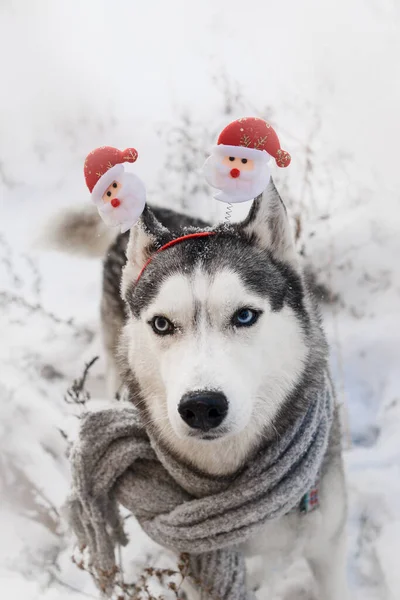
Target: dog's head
{"x": 217, "y": 334}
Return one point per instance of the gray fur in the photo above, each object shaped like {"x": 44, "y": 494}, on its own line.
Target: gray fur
{"x": 77, "y": 231}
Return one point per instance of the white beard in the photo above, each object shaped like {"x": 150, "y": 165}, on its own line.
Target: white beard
{"x": 132, "y": 196}
{"x": 247, "y": 186}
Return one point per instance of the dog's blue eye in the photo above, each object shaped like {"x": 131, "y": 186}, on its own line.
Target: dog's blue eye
{"x": 162, "y": 325}
{"x": 245, "y": 317}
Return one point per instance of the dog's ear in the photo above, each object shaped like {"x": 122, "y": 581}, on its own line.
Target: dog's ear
{"x": 267, "y": 226}
{"x": 144, "y": 239}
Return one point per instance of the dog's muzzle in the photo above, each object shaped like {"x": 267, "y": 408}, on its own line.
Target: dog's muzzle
{"x": 203, "y": 410}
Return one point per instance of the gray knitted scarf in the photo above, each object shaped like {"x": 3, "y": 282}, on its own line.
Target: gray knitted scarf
{"x": 116, "y": 460}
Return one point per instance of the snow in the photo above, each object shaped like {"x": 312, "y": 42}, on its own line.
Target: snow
{"x": 165, "y": 77}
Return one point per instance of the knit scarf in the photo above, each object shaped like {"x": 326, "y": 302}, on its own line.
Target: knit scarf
{"x": 116, "y": 461}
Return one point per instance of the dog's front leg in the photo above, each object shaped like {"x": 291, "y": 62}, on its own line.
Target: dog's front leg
{"x": 329, "y": 569}
{"x": 260, "y": 575}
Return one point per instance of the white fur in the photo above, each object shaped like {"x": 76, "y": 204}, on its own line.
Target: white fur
{"x": 254, "y": 367}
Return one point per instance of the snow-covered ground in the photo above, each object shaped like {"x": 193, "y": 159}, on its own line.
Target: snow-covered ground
{"x": 165, "y": 78}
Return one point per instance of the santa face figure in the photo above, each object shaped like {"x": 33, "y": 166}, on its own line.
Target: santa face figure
{"x": 238, "y": 165}
{"x": 123, "y": 202}
{"x": 120, "y": 197}
{"x": 237, "y": 178}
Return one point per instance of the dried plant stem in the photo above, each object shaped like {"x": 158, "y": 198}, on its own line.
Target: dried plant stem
{"x": 77, "y": 393}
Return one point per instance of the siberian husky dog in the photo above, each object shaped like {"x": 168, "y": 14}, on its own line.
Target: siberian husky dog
{"x": 218, "y": 335}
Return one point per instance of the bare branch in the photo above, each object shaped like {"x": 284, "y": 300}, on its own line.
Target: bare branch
{"x": 77, "y": 394}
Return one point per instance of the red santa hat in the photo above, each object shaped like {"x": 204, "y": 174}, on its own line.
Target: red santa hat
{"x": 103, "y": 166}
{"x": 247, "y": 137}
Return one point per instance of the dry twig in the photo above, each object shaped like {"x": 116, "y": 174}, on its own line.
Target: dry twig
{"x": 77, "y": 393}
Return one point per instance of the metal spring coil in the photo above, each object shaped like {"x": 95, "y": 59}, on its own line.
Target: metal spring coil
{"x": 228, "y": 213}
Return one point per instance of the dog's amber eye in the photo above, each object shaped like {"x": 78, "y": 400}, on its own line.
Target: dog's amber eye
{"x": 115, "y": 184}
{"x": 245, "y": 317}
{"x": 162, "y": 326}
{"x": 109, "y": 193}
{"x": 231, "y": 158}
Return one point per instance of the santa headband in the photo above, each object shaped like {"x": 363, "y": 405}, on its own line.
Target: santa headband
{"x": 238, "y": 166}
{"x": 245, "y": 144}
{"x": 105, "y": 165}
{"x": 183, "y": 238}
{"x": 251, "y": 138}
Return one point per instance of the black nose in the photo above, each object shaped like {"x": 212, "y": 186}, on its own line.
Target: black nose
{"x": 204, "y": 409}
